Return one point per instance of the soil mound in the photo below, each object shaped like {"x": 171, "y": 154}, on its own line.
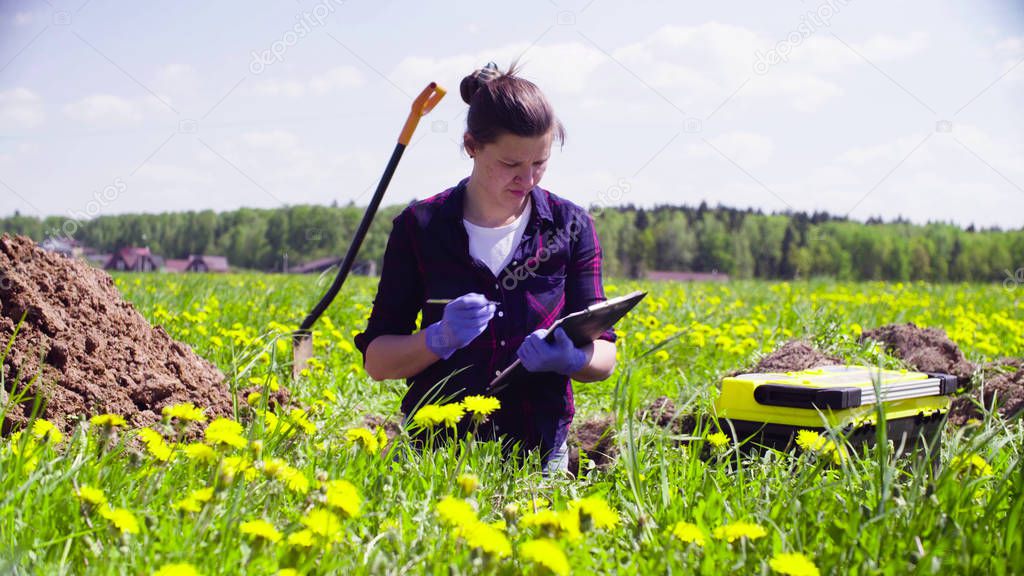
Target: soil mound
{"x": 662, "y": 412}
{"x": 925, "y": 349}
{"x": 596, "y": 439}
{"x": 1003, "y": 392}
{"x": 91, "y": 350}
{"x": 793, "y": 356}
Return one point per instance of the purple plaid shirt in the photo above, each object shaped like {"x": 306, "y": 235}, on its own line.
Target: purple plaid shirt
{"x": 555, "y": 270}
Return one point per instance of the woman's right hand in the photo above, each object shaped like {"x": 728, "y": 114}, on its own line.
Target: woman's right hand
{"x": 464, "y": 319}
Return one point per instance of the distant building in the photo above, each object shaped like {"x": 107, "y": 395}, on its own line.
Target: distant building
{"x": 678, "y": 276}
{"x": 65, "y": 246}
{"x": 198, "y": 263}
{"x": 133, "y": 259}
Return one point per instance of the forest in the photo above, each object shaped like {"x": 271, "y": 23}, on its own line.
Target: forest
{"x": 740, "y": 243}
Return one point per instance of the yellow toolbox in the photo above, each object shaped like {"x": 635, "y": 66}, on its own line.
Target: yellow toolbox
{"x": 769, "y": 409}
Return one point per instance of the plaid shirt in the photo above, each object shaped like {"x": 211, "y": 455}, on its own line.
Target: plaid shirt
{"x": 555, "y": 270}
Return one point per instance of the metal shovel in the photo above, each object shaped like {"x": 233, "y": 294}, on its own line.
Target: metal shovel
{"x": 302, "y": 339}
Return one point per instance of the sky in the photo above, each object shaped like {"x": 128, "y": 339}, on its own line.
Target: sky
{"x": 861, "y": 108}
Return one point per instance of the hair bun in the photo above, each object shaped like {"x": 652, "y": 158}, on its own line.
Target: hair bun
{"x": 470, "y": 84}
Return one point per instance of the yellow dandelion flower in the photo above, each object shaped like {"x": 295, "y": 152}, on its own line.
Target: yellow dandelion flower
{"x": 810, "y": 440}
{"x": 565, "y": 523}
{"x": 546, "y": 553}
{"x": 225, "y": 431}
{"x": 301, "y": 539}
{"x": 688, "y": 533}
{"x": 324, "y": 524}
{"x": 185, "y": 411}
{"x": 287, "y": 572}
{"x": 234, "y": 465}
{"x": 201, "y": 452}
{"x": 293, "y": 479}
{"x": 298, "y": 416}
{"x": 456, "y": 511}
{"x": 364, "y": 438}
{"x": 44, "y": 429}
{"x": 481, "y": 405}
{"x": 260, "y": 529}
{"x": 342, "y": 495}
{"x": 202, "y": 494}
{"x": 195, "y": 500}
{"x": 972, "y": 463}
{"x": 253, "y": 398}
{"x": 793, "y": 564}
{"x": 468, "y": 483}
{"x": 594, "y": 511}
{"x": 661, "y": 356}
{"x": 177, "y": 569}
{"x": 90, "y": 495}
{"x": 108, "y": 420}
{"x": 428, "y": 416}
{"x": 122, "y": 518}
{"x": 451, "y": 414}
{"x": 155, "y": 444}
{"x": 485, "y": 538}
{"x": 718, "y": 440}
{"x": 276, "y": 425}
{"x": 737, "y": 530}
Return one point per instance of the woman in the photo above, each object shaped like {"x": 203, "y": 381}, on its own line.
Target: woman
{"x": 512, "y": 258}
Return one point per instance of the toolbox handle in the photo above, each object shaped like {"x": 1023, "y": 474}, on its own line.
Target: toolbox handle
{"x": 803, "y": 397}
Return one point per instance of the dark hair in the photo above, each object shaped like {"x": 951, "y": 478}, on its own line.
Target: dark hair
{"x": 501, "y": 102}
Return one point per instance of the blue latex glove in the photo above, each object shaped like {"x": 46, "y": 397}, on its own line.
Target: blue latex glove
{"x": 561, "y": 356}
{"x": 464, "y": 319}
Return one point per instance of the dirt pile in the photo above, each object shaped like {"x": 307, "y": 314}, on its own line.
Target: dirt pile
{"x": 1002, "y": 392}
{"x": 595, "y": 438}
{"x": 793, "y": 356}
{"x": 91, "y": 350}
{"x": 662, "y": 412}
{"x": 924, "y": 349}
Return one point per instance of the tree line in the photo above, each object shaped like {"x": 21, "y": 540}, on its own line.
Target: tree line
{"x": 740, "y": 243}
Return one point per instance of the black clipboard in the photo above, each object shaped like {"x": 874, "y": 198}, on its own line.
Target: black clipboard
{"x": 581, "y": 327}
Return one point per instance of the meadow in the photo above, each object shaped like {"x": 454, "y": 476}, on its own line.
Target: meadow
{"x": 318, "y": 489}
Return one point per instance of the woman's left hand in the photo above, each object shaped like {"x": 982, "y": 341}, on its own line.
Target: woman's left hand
{"x": 561, "y": 356}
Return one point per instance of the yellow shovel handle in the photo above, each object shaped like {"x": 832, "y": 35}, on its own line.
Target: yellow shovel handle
{"x": 423, "y": 104}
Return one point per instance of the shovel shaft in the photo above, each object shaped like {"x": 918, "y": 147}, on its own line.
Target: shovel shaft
{"x": 302, "y": 339}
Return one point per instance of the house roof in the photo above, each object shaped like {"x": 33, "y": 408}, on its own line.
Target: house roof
{"x": 318, "y": 265}
{"x": 172, "y": 265}
{"x": 213, "y": 263}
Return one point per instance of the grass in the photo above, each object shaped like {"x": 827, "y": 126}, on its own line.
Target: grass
{"x": 868, "y": 514}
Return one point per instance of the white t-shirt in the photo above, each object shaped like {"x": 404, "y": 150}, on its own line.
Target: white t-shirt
{"x": 494, "y": 246}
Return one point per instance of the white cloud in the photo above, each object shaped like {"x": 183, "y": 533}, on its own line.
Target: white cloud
{"x": 744, "y": 148}
{"x": 558, "y": 68}
{"x": 20, "y": 108}
{"x": 106, "y": 110}
{"x": 277, "y": 140}
{"x": 335, "y": 80}
{"x": 173, "y": 174}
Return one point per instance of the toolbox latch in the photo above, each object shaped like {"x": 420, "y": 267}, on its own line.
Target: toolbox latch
{"x": 947, "y": 382}
{"x": 804, "y": 397}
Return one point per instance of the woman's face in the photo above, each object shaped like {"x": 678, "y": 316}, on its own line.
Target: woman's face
{"x": 505, "y": 170}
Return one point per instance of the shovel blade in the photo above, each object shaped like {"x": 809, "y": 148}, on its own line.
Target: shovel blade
{"x": 302, "y": 351}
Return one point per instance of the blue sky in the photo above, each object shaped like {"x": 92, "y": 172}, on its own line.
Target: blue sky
{"x": 857, "y": 107}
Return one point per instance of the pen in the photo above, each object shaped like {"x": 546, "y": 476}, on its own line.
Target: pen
{"x": 439, "y": 300}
